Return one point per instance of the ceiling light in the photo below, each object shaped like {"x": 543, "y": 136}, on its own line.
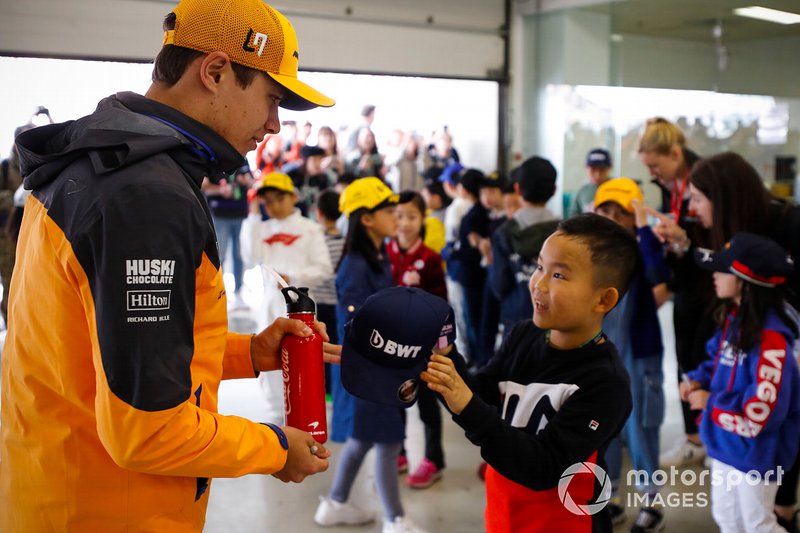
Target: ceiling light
{"x": 770, "y": 15}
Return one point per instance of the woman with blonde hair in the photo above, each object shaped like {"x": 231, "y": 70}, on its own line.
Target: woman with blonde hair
{"x": 663, "y": 150}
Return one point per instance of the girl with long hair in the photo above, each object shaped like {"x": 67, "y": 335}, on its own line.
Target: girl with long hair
{"x": 728, "y": 196}
{"x": 750, "y": 387}
{"x": 364, "y": 270}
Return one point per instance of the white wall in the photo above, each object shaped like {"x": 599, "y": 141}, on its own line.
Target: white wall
{"x": 767, "y": 66}
{"x": 379, "y": 36}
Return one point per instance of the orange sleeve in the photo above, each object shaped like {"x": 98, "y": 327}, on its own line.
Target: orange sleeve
{"x": 237, "y": 362}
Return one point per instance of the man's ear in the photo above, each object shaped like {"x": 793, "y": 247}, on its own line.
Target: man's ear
{"x": 213, "y": 69}
{"x": 609, "y": 297}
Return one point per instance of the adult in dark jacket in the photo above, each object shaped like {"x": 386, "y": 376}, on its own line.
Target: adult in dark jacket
{"x": 729, "y": 197}
{"x": 663, "y": 150}
{"x": 118, "y": 337}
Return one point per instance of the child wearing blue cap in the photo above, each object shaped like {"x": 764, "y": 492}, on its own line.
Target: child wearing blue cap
{"x": 556, "y": 393}
{"x": 749, "y": 389}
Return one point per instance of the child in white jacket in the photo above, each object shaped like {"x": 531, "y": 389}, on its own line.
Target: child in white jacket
{"x": 292, "y": 245}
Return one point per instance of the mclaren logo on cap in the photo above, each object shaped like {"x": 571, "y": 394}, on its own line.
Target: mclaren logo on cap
{"x": 259, "y": 37}
{"x": 391, "y": 347}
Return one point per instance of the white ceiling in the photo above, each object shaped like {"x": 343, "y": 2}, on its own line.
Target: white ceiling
{"x": 694, "y": 20}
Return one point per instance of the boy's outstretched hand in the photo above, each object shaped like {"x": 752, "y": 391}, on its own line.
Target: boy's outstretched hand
{"x": 441, "y": 377}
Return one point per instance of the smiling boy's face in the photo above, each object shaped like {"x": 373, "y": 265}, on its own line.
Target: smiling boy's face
{"x": 565, "y": 297}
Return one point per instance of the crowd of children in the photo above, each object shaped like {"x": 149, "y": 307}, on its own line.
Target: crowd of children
{"x": 576, "y": 384}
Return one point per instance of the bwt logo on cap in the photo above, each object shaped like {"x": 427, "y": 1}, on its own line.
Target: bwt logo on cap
{"x": 393, "y": 348}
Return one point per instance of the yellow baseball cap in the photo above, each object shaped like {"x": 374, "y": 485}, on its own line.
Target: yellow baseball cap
{"x": 253, "y": 34}
{"x": 365, "y": 192}
{"x": 275, "y": 180}
{"x": 620, "y": 191}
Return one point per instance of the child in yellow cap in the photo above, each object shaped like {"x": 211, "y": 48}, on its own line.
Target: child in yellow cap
{"x": 292, "y": 245}
{"x": 634, "y": 329}
{"x": 369, "y": 206}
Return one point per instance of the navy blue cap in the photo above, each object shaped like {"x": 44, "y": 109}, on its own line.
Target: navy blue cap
{"x": 388, "y": 341}
{"x": 450, "y": 174}
{"x": 598, "y": 157}
{"x": 753, "y": 258}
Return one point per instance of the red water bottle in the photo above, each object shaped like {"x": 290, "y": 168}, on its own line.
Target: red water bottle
{"x": 303, "y": 370}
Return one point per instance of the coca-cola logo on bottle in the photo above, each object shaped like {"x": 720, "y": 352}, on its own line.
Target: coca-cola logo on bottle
{"x": 287, "y": 403}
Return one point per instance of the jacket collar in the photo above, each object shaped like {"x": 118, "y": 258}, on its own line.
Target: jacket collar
{"x": 207, "y": 154}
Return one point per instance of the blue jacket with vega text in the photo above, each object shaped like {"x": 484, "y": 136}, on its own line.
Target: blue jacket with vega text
{"x": 752, "y": 418}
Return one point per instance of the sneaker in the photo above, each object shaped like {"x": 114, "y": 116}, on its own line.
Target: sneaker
{"x": 424, "y": 476}
{"x": 401, "y": 524}
{"x": 685, "y": 453}
{"x": 333, "y": 513}
{"x": 649, "y": 520}
{"x": 402, "y": 464}
{"x": 617, "y": 513}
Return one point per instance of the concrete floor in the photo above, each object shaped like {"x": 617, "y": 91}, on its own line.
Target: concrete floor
{"x": 455, "y": 504}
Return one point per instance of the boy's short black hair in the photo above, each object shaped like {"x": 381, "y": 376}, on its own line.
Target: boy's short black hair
{"x": 328, "y": 204}
{"x": 434, "y": 186}
{"x": 536, "y": 177}
{"x": 413, "y": 197}
{"x": 615, "y": 252}
{"x": 471, "y": 180}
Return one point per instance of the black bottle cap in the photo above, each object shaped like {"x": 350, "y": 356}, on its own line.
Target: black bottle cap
{"x": 301, "y": 302}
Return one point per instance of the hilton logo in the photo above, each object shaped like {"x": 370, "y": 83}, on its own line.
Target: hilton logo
{"x": 148, "y": 300}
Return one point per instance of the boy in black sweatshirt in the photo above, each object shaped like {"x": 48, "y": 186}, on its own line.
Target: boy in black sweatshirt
{"x": 556, "y": 393}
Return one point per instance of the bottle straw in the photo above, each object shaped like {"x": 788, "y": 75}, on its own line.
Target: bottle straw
{"x": 266, "y": 270}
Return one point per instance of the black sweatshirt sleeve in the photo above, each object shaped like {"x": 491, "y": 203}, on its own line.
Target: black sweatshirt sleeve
{"x": 584, "y": 424}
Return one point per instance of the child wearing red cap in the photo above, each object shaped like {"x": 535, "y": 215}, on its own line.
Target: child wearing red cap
{"x": 749, "y": 389}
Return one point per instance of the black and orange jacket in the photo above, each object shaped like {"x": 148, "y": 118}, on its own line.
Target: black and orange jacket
{"x": 117, "y": 336}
